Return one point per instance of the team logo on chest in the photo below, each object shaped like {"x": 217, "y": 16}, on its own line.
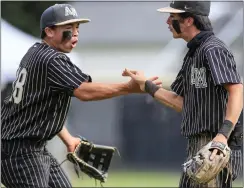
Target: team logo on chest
{"x": 198, "y": 77}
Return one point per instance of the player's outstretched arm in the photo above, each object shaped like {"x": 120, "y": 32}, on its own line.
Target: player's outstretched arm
{"x": 90, "y": 91}
{"x": 64, "y": 76}
{"x": 99, "y": 91}
{"x": 169, "y": 99}
{"x": 164, "y": 96}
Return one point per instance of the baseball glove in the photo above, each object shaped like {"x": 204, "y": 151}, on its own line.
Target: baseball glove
{"x": 92, "y": 159}
{"x": 201, "y": 169}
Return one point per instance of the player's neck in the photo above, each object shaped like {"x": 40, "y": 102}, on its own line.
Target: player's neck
{"x": 49, "y": 43}
{"x": 44, "y": 41}
{"x": 191, "y": 35}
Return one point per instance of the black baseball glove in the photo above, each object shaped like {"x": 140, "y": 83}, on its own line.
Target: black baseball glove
{"x": 92, "y": 159}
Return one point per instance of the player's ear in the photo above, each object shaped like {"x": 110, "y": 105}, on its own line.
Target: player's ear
{"x": 189, "y": 21}
{"x": 49, "y": 32}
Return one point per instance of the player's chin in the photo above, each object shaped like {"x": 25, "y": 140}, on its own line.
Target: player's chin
{"x": 176, "y": 36}
{"x": 67, "y": 50}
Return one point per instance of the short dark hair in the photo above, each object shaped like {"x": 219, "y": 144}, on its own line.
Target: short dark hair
{"x": 43, "y": 33}
{"x": 201, "y": 22}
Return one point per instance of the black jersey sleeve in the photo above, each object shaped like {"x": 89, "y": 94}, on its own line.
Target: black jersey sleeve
{"x": 177, "y": 85}
{"x": 222, "y": 66}
{"x": 64, "y": 76}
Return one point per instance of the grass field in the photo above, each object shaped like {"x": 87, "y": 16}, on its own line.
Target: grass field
{"x": 136, "y": 179}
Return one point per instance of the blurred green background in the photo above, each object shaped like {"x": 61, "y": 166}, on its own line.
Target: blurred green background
{"x": 136, "y": 179}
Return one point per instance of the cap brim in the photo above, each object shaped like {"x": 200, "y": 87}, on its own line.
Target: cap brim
{"x": 81, "y": 20}
{"x": 170, "y": 10}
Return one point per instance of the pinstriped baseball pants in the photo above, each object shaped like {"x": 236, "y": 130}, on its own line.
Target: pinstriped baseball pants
{"x": 223, "y": 180}
{"x": 28, "y": 164}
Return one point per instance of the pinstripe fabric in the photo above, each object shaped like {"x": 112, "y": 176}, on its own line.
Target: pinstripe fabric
{"x": 200, "y": 83}
{"x": 28, "y": 164}
{"x": 206, "y": 67}
{"x": 236, "y": 163}
{"x": 34, "y": 113}
{"x": 38, "y": 105}
{"x": 195, "y": 143}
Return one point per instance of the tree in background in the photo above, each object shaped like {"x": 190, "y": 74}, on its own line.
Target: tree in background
{"x": 25, "y": 15}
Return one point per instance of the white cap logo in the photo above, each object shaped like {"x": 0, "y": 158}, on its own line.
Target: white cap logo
{"x": 70, "y": 11}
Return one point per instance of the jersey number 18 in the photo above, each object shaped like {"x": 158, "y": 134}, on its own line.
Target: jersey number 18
{"x": 18, "y": 87}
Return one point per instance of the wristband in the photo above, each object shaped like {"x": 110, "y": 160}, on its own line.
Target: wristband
{"x": 151, "y": 88}
{"x": 226, "y": 128}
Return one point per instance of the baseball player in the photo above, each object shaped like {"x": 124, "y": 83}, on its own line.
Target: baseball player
{"x": 36, "y": 109}
{"x": 207, "y": 90}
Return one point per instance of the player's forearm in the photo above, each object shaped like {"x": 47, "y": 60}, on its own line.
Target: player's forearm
{"x": 169, "y": 99}
{"x": 235, "y": 103}
{"x": 99, "y": 91}
{"x": 64, "y": 135}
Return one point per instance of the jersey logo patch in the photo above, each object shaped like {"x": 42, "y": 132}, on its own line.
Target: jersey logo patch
{"x": 198, "y": 77}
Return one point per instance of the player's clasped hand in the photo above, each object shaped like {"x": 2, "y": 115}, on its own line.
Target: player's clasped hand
{"x": 219, "y": 138}
{"x": 140, "y": 79}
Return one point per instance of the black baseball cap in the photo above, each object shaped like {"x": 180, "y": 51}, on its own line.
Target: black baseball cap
{"x": 194, "y": 7}
{"x": 60, "y": 14}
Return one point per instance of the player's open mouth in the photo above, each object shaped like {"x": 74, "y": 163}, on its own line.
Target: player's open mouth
{"x": 74, "y": 44}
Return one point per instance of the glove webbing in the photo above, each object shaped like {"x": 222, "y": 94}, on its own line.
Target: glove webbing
{"x": 76, "y": 167}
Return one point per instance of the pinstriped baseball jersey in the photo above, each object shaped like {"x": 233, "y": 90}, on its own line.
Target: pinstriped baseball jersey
{"x": 41, "y": 94}
{"x": 200, "y": 81}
